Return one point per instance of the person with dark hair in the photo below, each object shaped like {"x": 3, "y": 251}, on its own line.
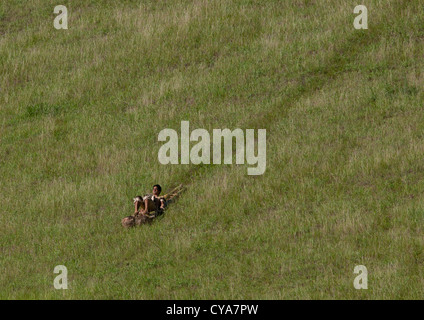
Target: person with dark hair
{"x": 150, "y": 202}
{"x": 158, "y": 188}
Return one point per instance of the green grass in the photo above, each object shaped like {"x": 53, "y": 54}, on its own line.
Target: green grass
{"x": 81, "y": 109}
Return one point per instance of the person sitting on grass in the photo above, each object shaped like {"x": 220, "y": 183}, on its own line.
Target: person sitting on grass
{"x": 150, "y": 202}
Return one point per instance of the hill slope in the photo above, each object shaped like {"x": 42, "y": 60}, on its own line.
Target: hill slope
{"x": 81, "y": 110}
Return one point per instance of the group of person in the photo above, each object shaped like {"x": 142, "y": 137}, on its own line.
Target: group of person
{"x": 146, "y": 208}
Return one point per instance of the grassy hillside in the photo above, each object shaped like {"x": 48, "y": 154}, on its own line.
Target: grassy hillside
{"x": 81, "y": 109}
